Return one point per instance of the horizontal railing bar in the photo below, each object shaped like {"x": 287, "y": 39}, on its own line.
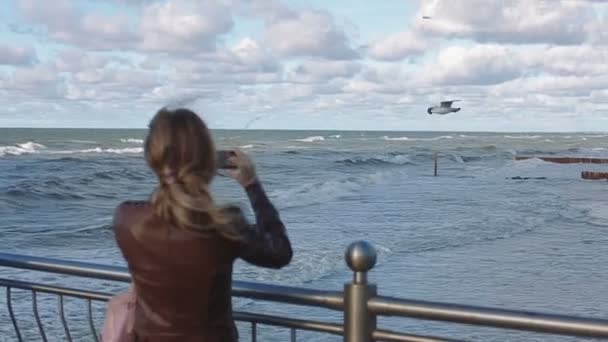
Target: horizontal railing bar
{"x": 76, "y": 268}
{"x": 290, "y": 295}
{"x": 392, "y": 336}
{"x": 490, "y": 317}
{"x": 83, "y": 294}
{"x": 301, "y": 324}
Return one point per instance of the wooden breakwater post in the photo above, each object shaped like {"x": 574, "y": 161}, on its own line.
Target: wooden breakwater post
{"x": 594, "y": 175}
{"x": 435, "y": 164}
{"x": 575, "y": 160}
{"x": 568, "y": 160}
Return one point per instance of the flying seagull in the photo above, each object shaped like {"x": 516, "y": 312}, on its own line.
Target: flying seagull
{"x": 444, "y": 108}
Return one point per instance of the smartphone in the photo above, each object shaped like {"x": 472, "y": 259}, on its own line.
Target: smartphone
{"x": 222, "y": 159}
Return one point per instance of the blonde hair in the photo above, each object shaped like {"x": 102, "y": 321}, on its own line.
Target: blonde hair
{"x": 180, "y": 150}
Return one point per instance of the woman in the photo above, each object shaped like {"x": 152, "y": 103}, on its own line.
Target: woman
{"x": 180, "y": 247}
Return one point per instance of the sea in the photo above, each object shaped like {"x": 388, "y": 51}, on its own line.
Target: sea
{"x": 487, "y": 230}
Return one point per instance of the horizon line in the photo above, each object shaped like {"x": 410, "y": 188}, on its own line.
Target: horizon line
{"x": 307, "y": 130}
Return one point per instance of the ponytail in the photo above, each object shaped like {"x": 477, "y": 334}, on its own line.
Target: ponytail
{"x": 186, "y": 202}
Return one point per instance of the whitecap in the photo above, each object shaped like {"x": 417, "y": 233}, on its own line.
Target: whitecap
{"x": 19, "y": 149}
{"x": 440, "y": 137}
{"x": 395, "y": 139}
{"x": 397, "y": 159}
{"x": 522, "y": 136}
{"x": 130, "y": 150}
{"x": 82, "y": 141}
{"x": 132, "y": 141}
{"x": 315, "y": 138}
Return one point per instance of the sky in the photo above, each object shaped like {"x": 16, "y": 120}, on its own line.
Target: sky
{"x": 515, "y": 65}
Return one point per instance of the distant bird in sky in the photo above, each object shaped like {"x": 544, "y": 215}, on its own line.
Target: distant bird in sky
{"x": 445, "y": 107}
{"x": 426, "y": 17}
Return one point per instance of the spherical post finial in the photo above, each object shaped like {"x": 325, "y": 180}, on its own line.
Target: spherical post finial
{"x": 360, "y": 257}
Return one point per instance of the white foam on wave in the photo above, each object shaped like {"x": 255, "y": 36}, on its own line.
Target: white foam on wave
{"x": 441, "y": 137}
{"x": 457, "y": 158}
{"x": 82, "y": 141}
{"x": 592, "y": 151}
{"x": 531, "y": 162}
{"x": 315, "y": 138}
{"x": 335, "y": 136}
{"x": 247, "y": 146}
{"x": 522, "y": 136}
{"x": 417, "y": 139}
{"x": 395, "y": 139}
{"x": 597, "y": 136}
{"x": 130, "y": 150}
{"x": 398, "y": 159}
{"x": 19, "y": 149}
{"x": 132, "y": 141}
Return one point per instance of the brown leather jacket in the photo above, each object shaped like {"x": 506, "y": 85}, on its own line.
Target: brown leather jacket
{"x": 182, "y": 279}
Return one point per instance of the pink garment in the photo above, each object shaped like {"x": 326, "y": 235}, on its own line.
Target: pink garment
{"x": 120, "y": 314}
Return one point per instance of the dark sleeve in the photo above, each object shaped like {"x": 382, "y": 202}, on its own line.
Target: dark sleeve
{"x": 119, "y": 228}
{"x": 264, "y": 243}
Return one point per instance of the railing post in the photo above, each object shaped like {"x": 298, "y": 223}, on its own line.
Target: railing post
{"x": 359, "y": 323}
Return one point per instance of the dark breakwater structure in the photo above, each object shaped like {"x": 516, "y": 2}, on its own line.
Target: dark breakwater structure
{"x": 593, "y": 175}
{"x": 359, "y": 304}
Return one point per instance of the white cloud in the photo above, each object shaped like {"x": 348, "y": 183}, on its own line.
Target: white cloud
{"x": 398, "y": 46}
{"x": 37, "y": 75}
{"x": 510, "y": 21}
{"x": 184, "y": 25}
{"x": 64, "y": 23}
{"x": 318, "y": 70}
{"x": 479, "y": 65}
{"x": 558, "y": 86}
{"x": 599, "y": 96}
{"x": 569, "y": 60}
{"x": 73, "y": 60}
{"x": 249, "y": 54}
{"x": 17, "y": 55}
{"x": 173, "y": 26}
{"x": 303, "y": 32}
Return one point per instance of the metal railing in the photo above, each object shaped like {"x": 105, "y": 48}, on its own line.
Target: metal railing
{"x": 359, "y": 304}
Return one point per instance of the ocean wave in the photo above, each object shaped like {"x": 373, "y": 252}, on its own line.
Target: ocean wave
{"x": 442, "y": 137}
{"x": 457, "y": 158}
{"x": 335, "y": 136}
{"x": 54, "y": 188}
{"x": 395, "y": 139}
{"x": 590, "y": 151}
{"x": 325, "y": 191}
{"x": 391, "y": 158}
{"x": 248, "y": 146}
{"x": 19, "y": 149}
{"x": 597, "y": 136}
{"x": 128, "y": 150}
{"x": 522, "y": 136}
{"x": 82, "y": 141}
{"x": 132, "y": 141}
{"x": 315, "y": 138}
